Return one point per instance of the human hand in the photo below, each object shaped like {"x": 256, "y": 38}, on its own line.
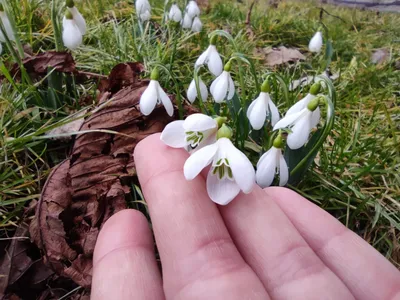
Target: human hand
{"x": 270, "y": 244}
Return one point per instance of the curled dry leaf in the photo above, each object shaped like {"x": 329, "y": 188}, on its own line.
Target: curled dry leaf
{"x": 279, "y": 56}
{"x": 84, "y": 191}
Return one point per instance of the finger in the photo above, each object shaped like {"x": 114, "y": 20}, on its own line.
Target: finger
{"x": 367, "y": 274}
{"x": 124, "y": 265}
{"x": 271, "y": 245}
{"x": 199, "y": 259}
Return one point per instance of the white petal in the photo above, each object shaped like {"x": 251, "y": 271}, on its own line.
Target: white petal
{"x": 72, "y": 36}
{"x": 300, "y": 132}
{"x": 148, "y": 100}
{"x": 289, "y": 120}
{"x": 203, "y": 58}
{"x": 2, "y": 38}
{"x": 231, "y": 88}
{"x": 283, "y": 170}
{"x": 219, "y": 88}
{"x": 192, "y": 92}
{"x": 7, "y": 26}
{"x": 78, "y": 18}
{"x": 187, "y": 22}
{"x": 257, "y": 113}
{"x": 242, "y": 169}
{"x": 266, "y": 168}
{"x": 192, "y": 9}
{"x": 175, "y": 13}
{"x": 198, "y": 161}
{"x": 145, "y": 16}
{"x": 165, "y": 100}
{"x": 214, "y": 61}
{"x": 142, "y": 6}
{"x": 199, "y": 122}
{"x": 316, "y": 116}
{"x": 316, "y": 42}
{"x": 174, "y": 135}
{"x": 1, "y": 48}
{"x": 274, "y": 112}
{"x": 221, "y": 191}
{"x": 197, "y": 25}
{"x": 210, "y": 138}
{"x": 203, "y": 90}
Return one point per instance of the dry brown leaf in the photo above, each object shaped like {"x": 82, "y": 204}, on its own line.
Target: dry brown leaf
{"x": 279, "y": 56}
{"x": 84, "y": 191}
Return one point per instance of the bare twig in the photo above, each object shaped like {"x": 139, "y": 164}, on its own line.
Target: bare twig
{"x": 248, "y": 17}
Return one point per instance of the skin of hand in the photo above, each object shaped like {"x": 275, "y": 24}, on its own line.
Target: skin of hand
{"x": 270, "y": 244}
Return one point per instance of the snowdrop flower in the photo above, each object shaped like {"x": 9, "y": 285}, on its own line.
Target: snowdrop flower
{"x": 80, "y": 21}
{"x": 197, "y": 25}
{"x": 211, "y": 58}
{"x": 192, "y": 91}
{"x": 71, "y": 35}
{"x": 195, "y": 132}
{"x": 143, "y": 10}
{"x": 154, "y": 94}
{"x": 7, "y": 26}
{"x": 271, "y": 163}
{"x": 230, "y": 172}
{"x": 300, "y": 124}
{"x": 223, "y": 87}
{"x": 316, "y": 115}
{"x": 262, "y": 107}
{"x": 316, "y": 42}
{"x": 175, "y": 13}
{"x": 186, "y": 22}
{"x": 192, "y": 9}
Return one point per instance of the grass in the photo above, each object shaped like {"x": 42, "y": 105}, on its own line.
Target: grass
{"x": 356, "y": 176}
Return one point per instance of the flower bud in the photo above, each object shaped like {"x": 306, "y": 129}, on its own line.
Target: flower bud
{"x": 278, "y": 141}
{"x": 313, "y": 104}
{"x": 228, "y": 66}
{"x": 213, "y": 40}
{"x": 220, "y": 120}
{"x": 70, "y": 3}
{"x": 265, "y": 87}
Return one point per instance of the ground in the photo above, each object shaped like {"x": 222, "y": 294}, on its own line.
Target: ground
{"x": 355, "y": 177}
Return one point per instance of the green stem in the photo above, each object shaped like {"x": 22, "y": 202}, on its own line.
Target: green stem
{"x": 56, "y": 27}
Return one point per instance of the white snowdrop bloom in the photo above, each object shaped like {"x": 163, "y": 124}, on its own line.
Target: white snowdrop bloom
{"x": 71, "y": 35}
{"x": 230, "y": 172}
{"x": 211, "y": 58}
{"x": 175, "y": 14}
{"x": 197, "y": 25}
{"x": 300, "y": 124}
{"x": 223, "y": 87}
{"x": 301, "y": 104}
{"x": 154, "y": 94}
{"x": 7, "y": 27}
{"x": 192, "y": 9}
{"x": 316, "y": 42}
{"x": 192, "y": 91}
{"x": 143, "y": 10}
{"x": 260, "y": 108}
{"x": 271, "y": 163}
{"x": 195, "y": 132}
{"x": 78, "y": 18}
{"x": 186, "y": 22}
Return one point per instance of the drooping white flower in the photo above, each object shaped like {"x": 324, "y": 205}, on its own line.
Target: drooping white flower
{"x": 316, "y": 42}
{"x": 230, "y": 172}
{"x": 143, "y": 10}
{"x": 195, "y": 132}
{"x": 223, "y": 87}
{"x": 301, "y": 104}
{"x": 197, "y": 25}
{"x": 192, "y": 91}
{"x": 300, "y": 124}
{"x": 154, "y": 94}
{"x": 78, "y": 18}
{"x": 260, "y": 108}
{"x": 211, "y": 58}
{"x": 175, "y": 14}
{"x": 186, "y": 22}
{"x": 71, "y": 35}
{"x": 271, "y": 163}
{"x": 7, "y": 27}
{"x": 192, "y": 9}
